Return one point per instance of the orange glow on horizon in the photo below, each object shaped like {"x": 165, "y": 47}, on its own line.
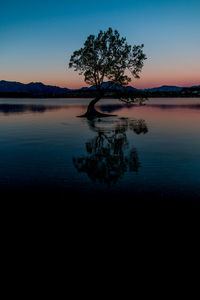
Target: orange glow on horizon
{"x": 139, "y": 84}
{"x": 148, "y": 79}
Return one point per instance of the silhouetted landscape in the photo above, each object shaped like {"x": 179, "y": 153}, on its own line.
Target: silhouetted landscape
{"x": 100, "y": 103}
{"x": 10, "y": 89}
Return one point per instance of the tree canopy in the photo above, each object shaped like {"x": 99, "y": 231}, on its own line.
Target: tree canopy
{"x": 108, "y": 56}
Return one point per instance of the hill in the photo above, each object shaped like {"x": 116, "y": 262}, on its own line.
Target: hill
{"x": 38, "y": 89}
{"x": 32, "y": 88}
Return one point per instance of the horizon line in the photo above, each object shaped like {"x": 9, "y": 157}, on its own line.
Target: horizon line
{"x": 156, "y": 86}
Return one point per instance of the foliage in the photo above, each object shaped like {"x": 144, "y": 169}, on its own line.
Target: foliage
{"x": 130, "y": 97}
{"x": 108, "y": 56}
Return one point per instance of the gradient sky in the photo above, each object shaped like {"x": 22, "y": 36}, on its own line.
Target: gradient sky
{"x": 37, "y": 38}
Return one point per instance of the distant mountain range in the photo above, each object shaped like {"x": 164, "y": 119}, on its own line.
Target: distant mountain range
{"x": 34, "y": 88}
{"x": 165, "y": 88}
{"x": 38, "y": 88}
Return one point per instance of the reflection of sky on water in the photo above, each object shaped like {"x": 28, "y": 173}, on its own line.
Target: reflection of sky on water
{"x": 38, "y": 141}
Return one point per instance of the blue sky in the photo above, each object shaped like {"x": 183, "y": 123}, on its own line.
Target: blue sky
{"x": 38, "y": 37}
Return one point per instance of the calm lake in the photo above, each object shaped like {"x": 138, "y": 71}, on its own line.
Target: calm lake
{"x": 144, "y": 152}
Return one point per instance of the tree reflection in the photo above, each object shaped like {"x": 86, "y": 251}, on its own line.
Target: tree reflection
{"x": 108, "y": 155}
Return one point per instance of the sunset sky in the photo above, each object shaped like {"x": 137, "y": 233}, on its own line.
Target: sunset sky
{"x": 37, "y": 38}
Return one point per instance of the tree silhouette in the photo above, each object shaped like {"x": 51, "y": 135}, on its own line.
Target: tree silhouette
{"x": 107, "y": 156}
{"x": 107, "y": 56}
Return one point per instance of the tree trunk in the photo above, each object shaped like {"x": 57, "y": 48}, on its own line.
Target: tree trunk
{"x": 91, "y": 107}
{"x": 91, "y": 112}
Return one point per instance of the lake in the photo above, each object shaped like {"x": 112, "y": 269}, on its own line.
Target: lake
{"x": 149, "y": 152}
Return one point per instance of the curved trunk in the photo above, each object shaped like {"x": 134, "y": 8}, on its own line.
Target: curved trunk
{"x": 91, "y": 107}
{"x": 91, "y": 112}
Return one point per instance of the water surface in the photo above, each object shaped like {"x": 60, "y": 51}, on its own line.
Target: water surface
{"x": 145, "y": 152}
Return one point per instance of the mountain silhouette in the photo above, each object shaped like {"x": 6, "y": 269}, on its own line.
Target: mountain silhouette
{"x": 38, "y": 88}
{"x": 33, "y": 88}
{"x": 165, "y": 88}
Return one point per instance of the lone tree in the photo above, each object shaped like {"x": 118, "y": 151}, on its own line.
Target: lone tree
{"x": 106, "y": 57}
